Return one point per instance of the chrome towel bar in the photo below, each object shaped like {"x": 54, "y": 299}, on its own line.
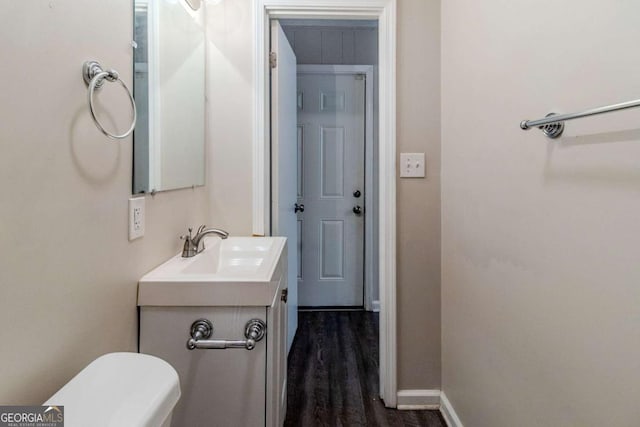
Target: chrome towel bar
{"x": 553, "y": 124}
{"x": 202, "y": 329}
{"x": 94, "y": 76}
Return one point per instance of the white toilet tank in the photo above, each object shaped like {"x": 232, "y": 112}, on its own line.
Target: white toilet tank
{"x": 120, "y": 390}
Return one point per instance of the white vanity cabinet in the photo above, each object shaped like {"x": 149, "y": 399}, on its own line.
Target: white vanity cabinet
{"x": 221, "y": 387}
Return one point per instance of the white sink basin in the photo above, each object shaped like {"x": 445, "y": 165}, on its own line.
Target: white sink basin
{"x": 233, "y": 271}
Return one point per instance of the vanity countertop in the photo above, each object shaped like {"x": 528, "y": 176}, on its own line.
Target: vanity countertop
{"x": 237, "y": 271}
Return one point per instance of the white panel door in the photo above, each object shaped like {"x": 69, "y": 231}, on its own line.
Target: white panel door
{"x": 331, "y": 138}
{"x": 284, "y": 172}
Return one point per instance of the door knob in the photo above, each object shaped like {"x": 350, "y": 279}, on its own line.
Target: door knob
{"x": 357, "y": 194}
{"x": 298, "y": 208}
{"x": 357, "y": 210}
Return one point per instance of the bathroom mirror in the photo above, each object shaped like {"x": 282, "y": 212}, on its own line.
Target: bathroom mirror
{"x": 169, "y": 67}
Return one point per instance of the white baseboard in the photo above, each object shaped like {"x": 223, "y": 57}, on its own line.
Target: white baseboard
{"x": 415, "y": 400}
{"x": 411, "y": 400}
{"x": 375, "y": 306}
{"x": 448, "y": 412}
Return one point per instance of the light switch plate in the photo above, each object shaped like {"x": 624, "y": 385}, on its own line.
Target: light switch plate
{"x": 136, "y": 217}
{"x": 412, "y": 165}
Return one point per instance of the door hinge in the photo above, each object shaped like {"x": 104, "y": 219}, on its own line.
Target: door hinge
{"x": 273, "y": 59}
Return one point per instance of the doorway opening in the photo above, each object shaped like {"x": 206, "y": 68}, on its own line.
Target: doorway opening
{"x": 336, "y": 156}
{"x": 268, "y": 174}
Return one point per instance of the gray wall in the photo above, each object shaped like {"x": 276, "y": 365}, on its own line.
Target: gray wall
{"x": 333, "y": 45}
{"x": 230, "y": 114}
{"x": 541, "y": 279}
{"x": 418, "y": 217}
{"x": 68, "y": 274}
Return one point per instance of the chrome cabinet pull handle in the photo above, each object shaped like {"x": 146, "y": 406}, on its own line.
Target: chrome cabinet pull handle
{"x": 202, "y": 329}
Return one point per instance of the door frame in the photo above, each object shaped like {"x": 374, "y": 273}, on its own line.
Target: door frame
{"x": 384, "y": 11}
{"x": 369, "y": 183}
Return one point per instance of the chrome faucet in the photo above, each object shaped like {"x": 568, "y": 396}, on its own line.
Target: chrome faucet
{"x": 192, "y": 244}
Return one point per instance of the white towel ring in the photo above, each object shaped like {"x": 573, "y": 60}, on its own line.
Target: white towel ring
{"x": 94, "y": 76}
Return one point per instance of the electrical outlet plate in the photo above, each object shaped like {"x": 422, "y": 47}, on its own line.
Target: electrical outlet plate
{"x": 136, "y": 217}
{"x": 412, "y": 165}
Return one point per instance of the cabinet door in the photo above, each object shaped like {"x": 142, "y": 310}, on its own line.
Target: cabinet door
{"x": 224, "y": 388}
{"x": 277, "y": 361}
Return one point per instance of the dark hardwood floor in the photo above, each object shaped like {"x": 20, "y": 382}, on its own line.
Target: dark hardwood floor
{"x": 333, "y": 374}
